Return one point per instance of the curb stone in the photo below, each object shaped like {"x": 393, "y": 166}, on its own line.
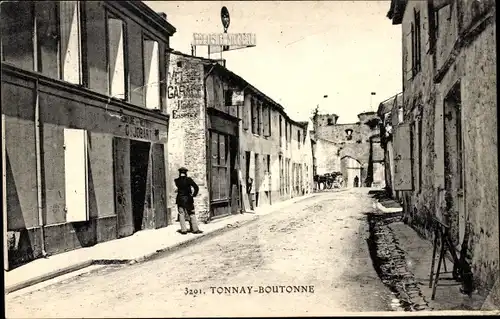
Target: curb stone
{"x": 50, "y": 275}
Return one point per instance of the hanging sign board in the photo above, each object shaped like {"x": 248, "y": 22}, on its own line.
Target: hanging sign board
{"x": 223, "y": 39}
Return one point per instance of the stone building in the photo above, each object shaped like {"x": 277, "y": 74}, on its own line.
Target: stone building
{"x": 388, "y": 113}
{"x": 352, "y": 149}
{"x": 226, "y": 132}
{"x": 84, "y": 123}
{"x": 446, "y": 141}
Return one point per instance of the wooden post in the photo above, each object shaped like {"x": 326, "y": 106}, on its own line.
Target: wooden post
{"x": 434, "y": 250}
{"x": 436, "y": 279}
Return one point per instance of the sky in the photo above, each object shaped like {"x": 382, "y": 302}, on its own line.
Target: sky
{"x": 304, "y": 51}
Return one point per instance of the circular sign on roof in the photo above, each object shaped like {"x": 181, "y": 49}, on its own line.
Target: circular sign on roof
{"x": 224, "y": 15}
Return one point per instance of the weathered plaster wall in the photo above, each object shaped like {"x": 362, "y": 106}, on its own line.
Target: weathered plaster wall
{"x": 465, "y": 54}
{"x": 418, "y": 105}
{"x": 328, "y": 160}
{"x": 476, "y": 68}
{"x": 187, "y": 141}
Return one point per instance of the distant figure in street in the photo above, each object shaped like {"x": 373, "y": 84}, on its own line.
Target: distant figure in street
{"x": 356, "y": 181}
{"x": 185, "y": 201}
{"x": 249, "y": 191}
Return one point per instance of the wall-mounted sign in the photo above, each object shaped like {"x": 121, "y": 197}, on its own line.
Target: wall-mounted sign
{"x": 223, "y": 39}
{"x": 224, "y": 16}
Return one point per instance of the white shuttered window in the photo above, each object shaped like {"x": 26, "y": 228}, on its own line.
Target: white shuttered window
{"x": 70, "y": 41}
{"x": 75, "y": 170}
{"x": 152, "y": 74}
{"x": 116, "y": 57}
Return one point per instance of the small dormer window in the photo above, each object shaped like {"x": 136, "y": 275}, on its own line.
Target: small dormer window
{"x": 330, "y": 121}
{"x": 348, "y": 133}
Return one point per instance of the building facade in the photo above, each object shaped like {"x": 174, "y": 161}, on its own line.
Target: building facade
{"x": 84, "y": 123}
{"x": 353, "y": 149}
{"x": 388, "y": 113}
{"x": 240, "y": 146}
{"x": 446, "y": 140}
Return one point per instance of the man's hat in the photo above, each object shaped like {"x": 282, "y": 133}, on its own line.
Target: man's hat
{"x": 183, "y": 169}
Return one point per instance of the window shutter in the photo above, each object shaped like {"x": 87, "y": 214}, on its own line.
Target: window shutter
{"x": 70, "y": 41}
{"x": 260, "y": 129}
{"x": 75, "y": 171}
{"x": 246, "y": 111}
{"x": 412, "y": 49}
{"x": 152, "y": 74}
{"x": 254, "y": 116}
{"x": 269, "y": 119}
{"x": 403, "y": 170}
{"x": 116, "y": 58}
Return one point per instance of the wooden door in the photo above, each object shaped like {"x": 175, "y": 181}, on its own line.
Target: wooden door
{"x": 123, "y": 195}
{"x": 219, "y": 178}
{"x": 159, "y": 186}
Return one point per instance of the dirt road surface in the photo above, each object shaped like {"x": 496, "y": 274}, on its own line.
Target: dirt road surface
{"x": 309, "y": 259}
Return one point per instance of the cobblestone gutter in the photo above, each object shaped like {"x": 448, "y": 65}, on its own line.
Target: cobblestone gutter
{"x": 391, "y": 265}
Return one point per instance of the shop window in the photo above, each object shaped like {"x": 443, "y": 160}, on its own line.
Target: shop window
{"x": 116, "y": 58}
{"x": 75, "y": 168}
{"x": 151, "y": 74}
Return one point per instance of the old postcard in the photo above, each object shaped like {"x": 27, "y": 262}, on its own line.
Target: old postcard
{"x": 249, "y": 158}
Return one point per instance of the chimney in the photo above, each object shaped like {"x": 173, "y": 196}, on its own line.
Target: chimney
{"x": 163, "y": 15}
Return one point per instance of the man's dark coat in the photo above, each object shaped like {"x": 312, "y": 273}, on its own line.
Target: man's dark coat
{"x": 185, "y": 194}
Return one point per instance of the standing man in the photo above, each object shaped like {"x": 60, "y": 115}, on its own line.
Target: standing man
{"x": 185, "y": 201}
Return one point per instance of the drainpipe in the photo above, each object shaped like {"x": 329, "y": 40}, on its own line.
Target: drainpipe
{"x": 38, "y": 142}
{"x": 4, "y": 187}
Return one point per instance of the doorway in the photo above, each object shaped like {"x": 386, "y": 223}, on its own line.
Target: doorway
{"x": 352, "y": 171}
{"x": 248, "y": 186}
{"x": 234, "y": 191}
{"x": 453, "y": 168}
{"x": 139, "y": 182}
{"x": 257, "y": 179}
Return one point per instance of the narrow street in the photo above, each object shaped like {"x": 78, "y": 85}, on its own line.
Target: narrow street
{"x": 320, "y": 243}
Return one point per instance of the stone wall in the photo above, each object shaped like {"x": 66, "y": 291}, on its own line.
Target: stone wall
{"x": 458, "y": 59}
{"x": 334, "y": 144}
{"x": 187, "y": 140}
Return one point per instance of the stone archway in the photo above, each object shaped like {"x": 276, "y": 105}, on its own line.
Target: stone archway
{"x": 352, "y": 171}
